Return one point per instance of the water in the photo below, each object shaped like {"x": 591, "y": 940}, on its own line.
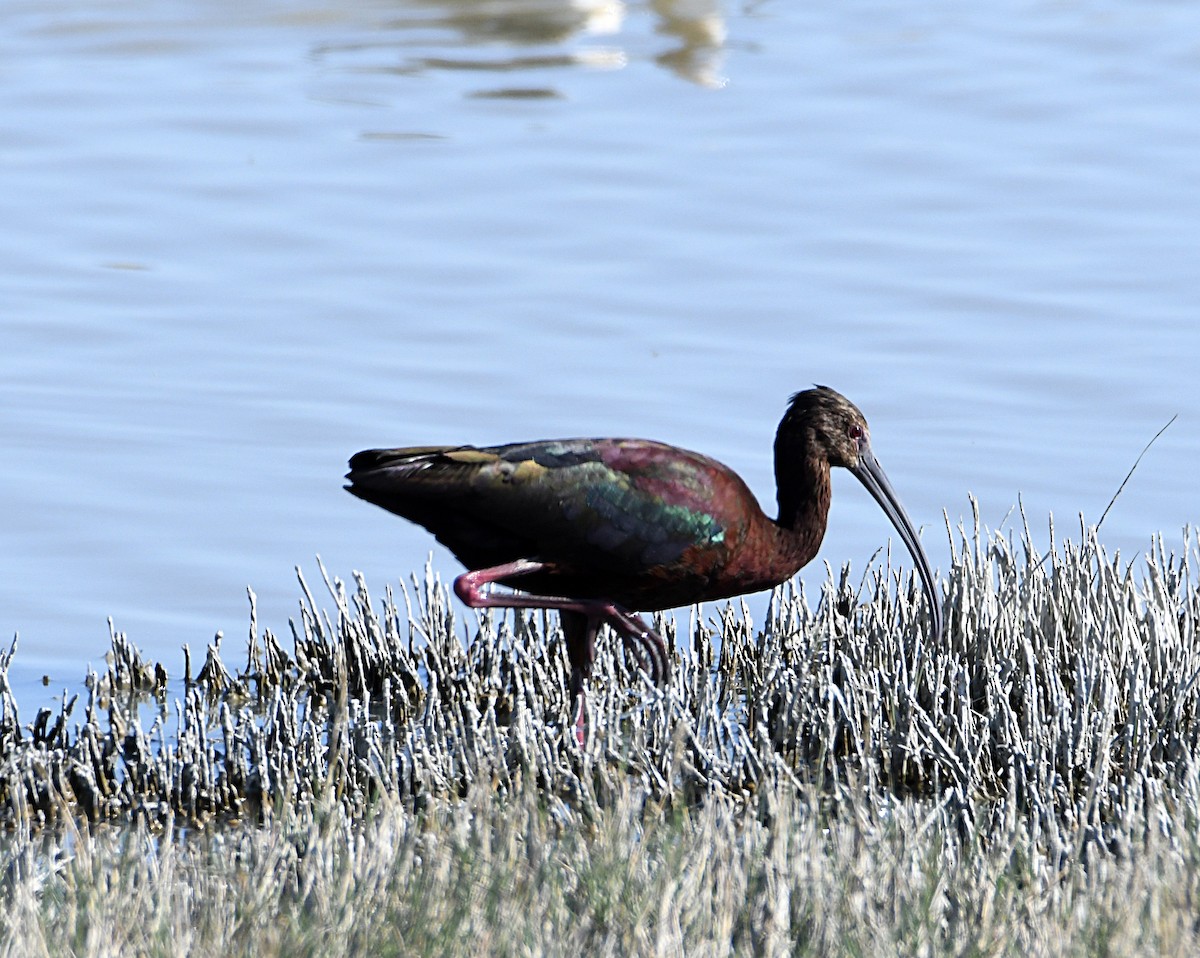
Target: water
{"x": 241, "y": 243}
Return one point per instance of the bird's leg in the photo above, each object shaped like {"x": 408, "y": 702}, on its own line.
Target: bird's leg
{"x": 648, "y": 646}
{"x": 579, "y": 631}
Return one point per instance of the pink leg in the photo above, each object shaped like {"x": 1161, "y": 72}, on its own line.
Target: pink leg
{"x": 580, "y": 634}
{"x": 581, "y": 619}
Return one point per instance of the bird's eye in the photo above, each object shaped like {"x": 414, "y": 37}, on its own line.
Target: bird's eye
{"x": 854, "y": 431}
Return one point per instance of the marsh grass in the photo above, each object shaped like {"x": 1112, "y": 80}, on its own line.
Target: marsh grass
{"x": 825, "y": 783}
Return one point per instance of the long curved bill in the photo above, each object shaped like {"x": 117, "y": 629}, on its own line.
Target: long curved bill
{"x": 871, "y": 474}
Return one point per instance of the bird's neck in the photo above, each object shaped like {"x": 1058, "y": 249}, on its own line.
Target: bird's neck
{"x": 773, "y": 550}
{"x": 804, "y": 494}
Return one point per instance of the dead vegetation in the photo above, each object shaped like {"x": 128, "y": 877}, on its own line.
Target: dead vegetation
{"x": 825, "y": 783}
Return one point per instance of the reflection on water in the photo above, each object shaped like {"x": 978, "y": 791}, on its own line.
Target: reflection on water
{"x": 521, "y": 22}
{"x": 699, "y": 27}
{"x": 508, "y": 28}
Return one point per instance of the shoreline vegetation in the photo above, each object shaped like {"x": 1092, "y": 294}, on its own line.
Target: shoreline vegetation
{"x": 825, "y": 783}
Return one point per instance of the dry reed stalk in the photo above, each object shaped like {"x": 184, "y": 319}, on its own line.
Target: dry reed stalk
{"x": 1040, "y": 764}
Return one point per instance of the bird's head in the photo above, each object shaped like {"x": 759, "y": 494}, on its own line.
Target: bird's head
{"x": 821, "y": 422}
{"x": 823, "y": 428}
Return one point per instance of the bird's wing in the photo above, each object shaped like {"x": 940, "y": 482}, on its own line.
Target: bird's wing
{"x": 628, "y": 505}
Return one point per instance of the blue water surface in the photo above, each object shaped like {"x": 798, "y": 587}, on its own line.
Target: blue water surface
{"x": 240, "y": 242}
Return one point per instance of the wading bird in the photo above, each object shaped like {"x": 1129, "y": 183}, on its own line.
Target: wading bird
{"x": 601, "y": 529}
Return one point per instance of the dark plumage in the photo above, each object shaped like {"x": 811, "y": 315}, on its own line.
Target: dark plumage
{"x": 603, "y": 528}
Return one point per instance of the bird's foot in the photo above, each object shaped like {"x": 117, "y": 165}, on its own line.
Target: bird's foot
{"x": 647, "y": 646}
